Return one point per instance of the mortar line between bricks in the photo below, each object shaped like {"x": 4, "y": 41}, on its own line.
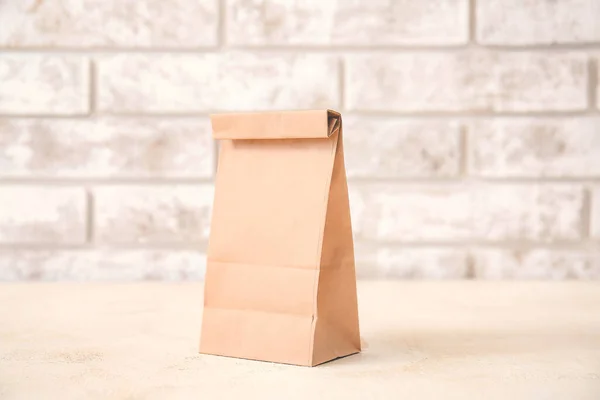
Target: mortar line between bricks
{"x": 222, "y": 24}
{"x": 466, "y": 114}
{"x": 356, "y": 113}
{"x": 82, "y": 181}
{"x": 397, "y": 181}
{"x": 215, "y": 149}
{"x": 472, "y": 21}
{"x": 471, "y": 180}
{"x": 342, "y": 84}
{"x": 587, "y": 214}
{"x": 465, "y": 245}
{"x": 593, "y": 85}
{"x": 317, "y": 49}
{"x": 89, "y": 234}
{"x": 109, "y": 116}
{"x": 200, "y": 247}
{"x": 463, "y": 148}
{"x": 92, "y": 89}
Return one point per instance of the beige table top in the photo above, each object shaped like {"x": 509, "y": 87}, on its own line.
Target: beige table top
{"x": 424, "y": 340}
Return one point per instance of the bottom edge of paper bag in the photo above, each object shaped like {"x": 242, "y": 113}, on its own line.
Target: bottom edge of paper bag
{"x": 335, "y": 358}
{"x": 203, "y": 352}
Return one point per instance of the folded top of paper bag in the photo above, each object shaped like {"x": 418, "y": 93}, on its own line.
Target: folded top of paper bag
{"x": 276, "y": 125}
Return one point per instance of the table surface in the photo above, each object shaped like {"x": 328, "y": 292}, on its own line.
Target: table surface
{"x": 422, "y": 340}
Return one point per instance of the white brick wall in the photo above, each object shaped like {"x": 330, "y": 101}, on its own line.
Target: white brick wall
{"x": 106, "y": 148}
{"x": 399, "y": 148}
{"x": 540, "y": 147}
{"x": 189, "y": 83}
{"x": 156, "y": 214}
{"x": 518, "y": 22}
{"x": 472, "y": 130}
{"x": 42, "y": 215}
{"x": 108, "y": 23}
{"x": 472, "y": 81}
{"x": 44, "y": 84}
{"x": 350, "y": 23}
{"x": 477, "y": 213}
{"x": 102, "y": 265}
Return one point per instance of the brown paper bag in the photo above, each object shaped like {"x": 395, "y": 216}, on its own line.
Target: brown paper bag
{"x": 280, "y": 280}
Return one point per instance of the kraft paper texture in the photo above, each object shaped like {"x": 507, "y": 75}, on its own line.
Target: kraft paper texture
{"x": 280, "y": 281}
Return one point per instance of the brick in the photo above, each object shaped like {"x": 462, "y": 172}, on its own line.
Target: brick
{"x": 42, "y": 215}
{"x": 546, "y": 147}
{"x": 466, "y": 81}
{"x": 106, "y": 147}
{"x": 153, "y": 214}
{"x": 363, "y": 22}
{"x": 183, "y": 83}
{"x": 392, "y": 147}
{"x": 44, "y": 84}
{"x": 109, "y": 23}
{"x": 597, "y": 93}
{"x": 388, "y": 262}
{"x": 455, "y": 212}
{"x": 517, "y": 22}
{"x": 101, "y": 265}
{"x": 595, "y": 212}
{"x": 541, "y": 264}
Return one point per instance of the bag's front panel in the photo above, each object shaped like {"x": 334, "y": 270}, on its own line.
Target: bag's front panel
{"x": 257, "y": 335}
{"x": 270, "y": 201}
{"x": 266, "y": 288}
{"x": 265, "y": 248}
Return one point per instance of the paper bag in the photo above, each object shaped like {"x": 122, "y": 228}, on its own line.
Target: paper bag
{"x": 280, "y": 280}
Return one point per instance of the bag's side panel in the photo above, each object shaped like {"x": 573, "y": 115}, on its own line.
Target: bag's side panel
{"x": 264, "y": 248}
{"x": 337, "y": 331}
